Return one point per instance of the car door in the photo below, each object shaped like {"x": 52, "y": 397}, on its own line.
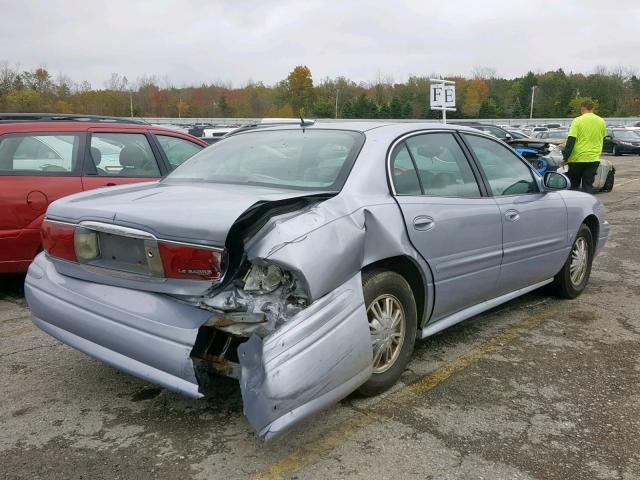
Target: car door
{"x": 450, "y": 221}
{"x": 535, "y": 236}
{"x": 35, "y": 169}
{"x": 176, "y": 150}
{"x": 117, "y": 158}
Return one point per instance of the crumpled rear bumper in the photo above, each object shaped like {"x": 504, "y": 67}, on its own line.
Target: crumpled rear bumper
{"x": 145, "y": 334}
{"x": 315, "y": 359}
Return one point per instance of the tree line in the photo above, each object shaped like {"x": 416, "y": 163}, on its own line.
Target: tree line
{"x": 484, "y": 95}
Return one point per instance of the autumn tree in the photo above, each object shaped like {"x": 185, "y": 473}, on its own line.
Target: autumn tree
{"x": 300, "y": 89}
{"x": 476, "y": 92}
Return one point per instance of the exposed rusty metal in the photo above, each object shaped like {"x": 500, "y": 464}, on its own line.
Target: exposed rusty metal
{"x": 222, "y": 366}
{"x": 232, "y": 318}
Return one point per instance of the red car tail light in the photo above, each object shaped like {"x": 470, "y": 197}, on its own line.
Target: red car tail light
{"x": 190, "y": 262}
{"x": 58, "y": 240}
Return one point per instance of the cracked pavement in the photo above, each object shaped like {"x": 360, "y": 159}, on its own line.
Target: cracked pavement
{"x": 537, "y": 388}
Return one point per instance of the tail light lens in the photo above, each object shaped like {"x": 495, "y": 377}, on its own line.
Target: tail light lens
{"x": 58, "y": 240}
{"x": 190, "y": 262}
{"x": 164, "y": 259}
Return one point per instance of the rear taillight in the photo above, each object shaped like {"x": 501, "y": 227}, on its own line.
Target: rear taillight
{"x": 58, "y": 240}
{"x": 190, "y": 262}
{"x": 81, "y": 243}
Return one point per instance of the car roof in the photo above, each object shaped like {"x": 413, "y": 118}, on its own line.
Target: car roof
{"x": 72, "y": 126}
{"x": 364, "y": 126}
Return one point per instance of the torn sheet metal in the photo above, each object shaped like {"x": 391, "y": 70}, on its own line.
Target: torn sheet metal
{"x": 327, "y": 244}
{"x": 314, "y": 360}
{"x": 260, "y": 303}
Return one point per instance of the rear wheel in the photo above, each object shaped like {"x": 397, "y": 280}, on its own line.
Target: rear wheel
{"x": 572, "y": 279}
{"x": 392, "y": 316}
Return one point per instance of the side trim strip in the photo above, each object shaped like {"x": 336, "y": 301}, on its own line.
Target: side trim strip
{"x": 474, "y": 310}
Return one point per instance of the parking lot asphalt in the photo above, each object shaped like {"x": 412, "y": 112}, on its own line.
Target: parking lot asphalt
{"x": 537, "y": 388}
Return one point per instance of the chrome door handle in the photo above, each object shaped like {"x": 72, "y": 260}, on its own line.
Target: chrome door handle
{"x": 423, "y": 222}
{"x": 512, "y": 215}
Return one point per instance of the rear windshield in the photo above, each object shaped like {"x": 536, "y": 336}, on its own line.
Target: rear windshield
{"x": 300, "y": 159}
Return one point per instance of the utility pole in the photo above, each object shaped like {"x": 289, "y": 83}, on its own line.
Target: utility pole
{"x": 533, "y": 93}
{"x": 337, "y": 93}
{"x": 131, "y": 102}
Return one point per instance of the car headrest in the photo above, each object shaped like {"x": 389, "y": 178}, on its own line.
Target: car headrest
{"x": 96, "y": 154}
{"x": 428, "y": 150}
{"x": 132, "y": 157}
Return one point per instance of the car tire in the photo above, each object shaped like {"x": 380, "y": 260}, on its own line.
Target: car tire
{"x": 616, "y": 151}
{"x": 608, "y": 184}
{"x": 386, "y": 292}
{"x": 571, "y": 281}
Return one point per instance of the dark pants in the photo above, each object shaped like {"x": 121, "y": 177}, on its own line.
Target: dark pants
{"x": 582, "y": 175}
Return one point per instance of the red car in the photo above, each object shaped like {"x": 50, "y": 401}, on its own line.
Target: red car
{"x": 44, "y": 157}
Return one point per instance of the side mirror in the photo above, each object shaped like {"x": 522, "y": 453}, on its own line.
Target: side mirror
{"x": 556, "y": 181}
{"x": 508, "y": 137}
{"x": 608, "y": 137}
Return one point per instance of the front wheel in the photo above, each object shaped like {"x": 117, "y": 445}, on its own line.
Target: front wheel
{"x": 572, "y": 279}
{"x": 392, "y": 316}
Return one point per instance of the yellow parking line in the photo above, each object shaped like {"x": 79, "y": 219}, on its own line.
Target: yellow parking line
{"x": 313, "y": 451}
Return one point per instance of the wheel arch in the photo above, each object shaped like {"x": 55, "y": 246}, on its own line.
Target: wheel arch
{"x": 592, "y": 222}
{"x": 411, "y": 272}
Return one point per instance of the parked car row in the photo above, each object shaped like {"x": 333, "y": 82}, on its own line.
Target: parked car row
{"x": 44, "y": 157}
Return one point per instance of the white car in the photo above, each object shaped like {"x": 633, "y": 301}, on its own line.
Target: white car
{"x": 605, "y": 176}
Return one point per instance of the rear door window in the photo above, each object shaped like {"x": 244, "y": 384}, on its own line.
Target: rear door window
{"x": 39, "y": 154}
{"x": 405, "y": 178}
{"x": 177, "y": 149}
{"x": 123, "y": 155}
{"x": 443, "y": 168}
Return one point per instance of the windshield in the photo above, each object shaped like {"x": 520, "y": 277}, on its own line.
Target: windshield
{"x": 629, "y": 135}
{"x": 306, "y": 159}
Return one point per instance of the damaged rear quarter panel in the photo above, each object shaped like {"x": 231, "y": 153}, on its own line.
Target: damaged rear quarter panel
{"x": 333, "y": 240}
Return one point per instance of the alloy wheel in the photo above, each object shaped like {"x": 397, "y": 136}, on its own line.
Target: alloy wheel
{"x": 579, "y": 261}
{"x": 387, "y": 323}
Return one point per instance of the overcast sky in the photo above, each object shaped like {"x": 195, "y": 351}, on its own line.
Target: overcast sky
{"x": 190, "y": 42}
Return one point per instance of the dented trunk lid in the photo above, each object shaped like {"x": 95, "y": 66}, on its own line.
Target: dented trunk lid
{"x": 194, "y": 213}
{"x": 184, "y": 212}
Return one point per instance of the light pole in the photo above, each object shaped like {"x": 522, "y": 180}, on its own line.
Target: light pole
{"x": 131, "y": 102}
{"x": 533, "y": 94}
{"x": 337, "y": 93}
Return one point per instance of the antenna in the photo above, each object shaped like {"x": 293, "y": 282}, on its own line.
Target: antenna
{"x": 303, "y": 122}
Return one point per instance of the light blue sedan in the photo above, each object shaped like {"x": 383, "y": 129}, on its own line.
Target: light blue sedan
{"x": 305, "y": 260}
